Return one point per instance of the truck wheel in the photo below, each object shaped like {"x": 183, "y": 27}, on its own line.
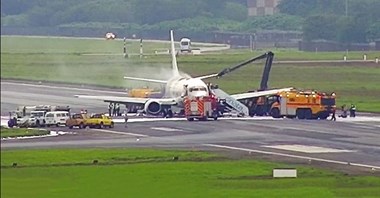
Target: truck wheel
{"x": 308, "y": 114}
{"x": 81, "y": 125}
{"x": 101, "y": 125}
{"x": 190, "y": 119}
{"x": 70, "y": 127}
{"x": 112, "y": 125}
{"x": 275, "y": 113}
{"x": 300, "y": 113}
{"x": 38, "y": 123}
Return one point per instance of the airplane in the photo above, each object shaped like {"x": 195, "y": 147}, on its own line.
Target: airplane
{"x": 175, "y": 88}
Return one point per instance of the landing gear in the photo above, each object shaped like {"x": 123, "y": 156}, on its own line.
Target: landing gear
{"x": 167, "y": 113}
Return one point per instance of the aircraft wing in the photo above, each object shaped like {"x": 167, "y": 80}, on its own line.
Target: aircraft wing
{"x": 145, "y": 79}
{"x": 117, "y": 99}
{"x": 259, "y": 93}
{"x": 129, "y": 100}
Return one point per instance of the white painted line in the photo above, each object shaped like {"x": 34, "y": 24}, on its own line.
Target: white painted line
{"x": 121, "y": 133}
{"x": 292, "y": 156}
{"x": 360, "y": 119}
{"x": 67, "y": 88}
{"x": 120, "y": 120}
{"x": 51, "y": 134}
{"x": 308, "y": 149}
{"x": 166, "y": 129}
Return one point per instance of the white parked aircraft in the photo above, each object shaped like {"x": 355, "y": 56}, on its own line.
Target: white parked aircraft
{"x": 175, "y": 87}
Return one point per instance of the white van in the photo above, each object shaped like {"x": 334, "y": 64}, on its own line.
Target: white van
{"x": 185, "y": 45}
{"x": 56, "y": 117}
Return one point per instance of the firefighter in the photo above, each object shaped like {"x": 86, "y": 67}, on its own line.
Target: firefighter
{"x": 110, "y": 107}
{"x": 126, "y": 117}
{"x": 114, "y": 110}
{"x": 352, "y": 110}
{"x": 24, "y": 111}
{"x": 333, "y": 118}
{"x": 117, "y": 109}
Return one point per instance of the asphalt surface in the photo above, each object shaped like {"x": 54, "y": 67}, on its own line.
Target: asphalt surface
{"x": 353, "y": 142}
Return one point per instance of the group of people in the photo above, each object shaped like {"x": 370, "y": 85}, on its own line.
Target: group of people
{"x": 114, "y": 109}
{"x": 344, "y": 112}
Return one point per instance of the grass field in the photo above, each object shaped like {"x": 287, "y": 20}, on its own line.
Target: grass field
{"x": 65, "y": 60}
{"x": 5, "y": 132}
{"x": 153, "y": 173}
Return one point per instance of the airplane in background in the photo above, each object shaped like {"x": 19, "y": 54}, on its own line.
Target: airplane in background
{"x": 175, "y": 88}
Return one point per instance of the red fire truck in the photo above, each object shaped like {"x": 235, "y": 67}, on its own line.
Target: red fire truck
{"x": 200, "y": 108}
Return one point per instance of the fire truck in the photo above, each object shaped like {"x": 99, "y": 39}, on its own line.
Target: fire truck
{"x": 303, "y": 105}
{"x": 200, "y": 108}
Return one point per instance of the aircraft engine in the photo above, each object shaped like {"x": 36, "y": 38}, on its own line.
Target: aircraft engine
{"x": 152, "y": 107}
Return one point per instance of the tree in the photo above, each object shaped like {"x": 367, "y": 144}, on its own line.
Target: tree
{"x": 320, "y": 27}
{"x": 373, "y": 32}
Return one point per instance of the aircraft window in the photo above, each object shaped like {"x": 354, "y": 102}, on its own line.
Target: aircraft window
{"x": 203, "y": 89}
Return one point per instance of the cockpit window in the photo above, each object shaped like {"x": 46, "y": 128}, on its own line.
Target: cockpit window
{"x": 197, "y": 89}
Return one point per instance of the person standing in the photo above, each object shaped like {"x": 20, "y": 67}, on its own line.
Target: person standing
{"x": 24, "y": 111}
{"x": 352, "y": 110}
{"x": 110, "y": 107}
{"x": 117, "y": 109}
{"x": 333, "y": 118}
{"x": 126, "y": 118}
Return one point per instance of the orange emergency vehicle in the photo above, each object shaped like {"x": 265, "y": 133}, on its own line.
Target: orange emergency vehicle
{"x": 303, "y": 105}
{"x": 200, "y": 108}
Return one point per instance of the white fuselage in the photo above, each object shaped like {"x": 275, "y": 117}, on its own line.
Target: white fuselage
{"x": 180, "y": 85}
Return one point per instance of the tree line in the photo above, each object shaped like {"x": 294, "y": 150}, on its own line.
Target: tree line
{"x": 318, "y": 19}
{"x": 339, "y": 20}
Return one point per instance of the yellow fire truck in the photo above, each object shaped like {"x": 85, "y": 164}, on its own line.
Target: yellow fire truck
{"x": 303, "y": 105}
{"x": 200, "y": 108}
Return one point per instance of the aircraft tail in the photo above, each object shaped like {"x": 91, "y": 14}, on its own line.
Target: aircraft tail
{"x": 174, "y": 58}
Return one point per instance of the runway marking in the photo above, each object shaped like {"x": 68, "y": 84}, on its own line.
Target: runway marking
{"x": 308, "y": 149}
{"x": 67, "y": 88}
{"x": 166, "y": 129}
{"x": 292, "y": 156}
{"x": 121, "y": 133}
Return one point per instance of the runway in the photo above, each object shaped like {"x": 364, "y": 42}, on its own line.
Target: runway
{"x": 352, "y": 141}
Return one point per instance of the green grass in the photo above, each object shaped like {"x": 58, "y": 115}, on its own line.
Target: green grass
{"x": 5, "y": 132}
{"x": 62, "y": 60}
{"x": 152, "y": 173}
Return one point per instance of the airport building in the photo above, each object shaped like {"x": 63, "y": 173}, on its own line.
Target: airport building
{"x": 262, "y": 7}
